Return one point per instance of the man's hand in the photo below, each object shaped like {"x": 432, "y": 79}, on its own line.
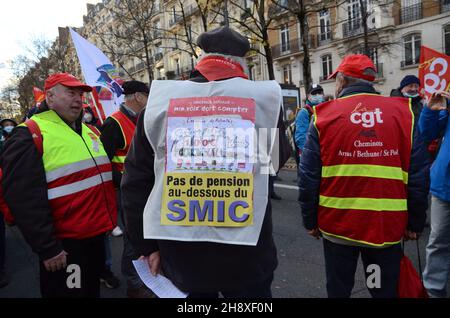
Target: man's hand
{"x": 410, "y": 236}
{"x": 56, "y": 263}
{"x": 154, "y": 262}
{"x": 315, "y": 233}
{"x": 438, "y": 101}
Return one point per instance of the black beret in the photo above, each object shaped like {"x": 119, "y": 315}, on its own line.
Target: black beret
{"x": 223, "y": 41}
{"x": 132, "y": 87}
{"x": 315, "y": 88}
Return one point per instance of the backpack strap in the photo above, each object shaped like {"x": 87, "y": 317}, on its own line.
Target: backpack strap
{"x": 35, "y": 131}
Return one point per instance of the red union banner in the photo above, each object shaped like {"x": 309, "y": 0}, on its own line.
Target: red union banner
{"x": 434, "y": 71}
{"x": 39, "y": 95}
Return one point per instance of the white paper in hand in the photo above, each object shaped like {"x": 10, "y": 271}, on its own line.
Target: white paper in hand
{"x": 160, "y": 285}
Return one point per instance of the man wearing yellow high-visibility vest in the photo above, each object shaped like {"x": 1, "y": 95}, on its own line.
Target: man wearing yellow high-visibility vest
{"x": 57, "y": 182}
{"x": 364, "y": 179}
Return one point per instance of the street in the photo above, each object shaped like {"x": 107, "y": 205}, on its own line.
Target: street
{"x": 300, "y": 273}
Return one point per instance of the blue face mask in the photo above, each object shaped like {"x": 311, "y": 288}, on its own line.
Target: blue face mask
{"x": 316, "y": 99}
{"x": 8, "y": 129}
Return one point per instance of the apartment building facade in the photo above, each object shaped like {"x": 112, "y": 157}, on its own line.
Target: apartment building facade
{"x": 396, "y": 30}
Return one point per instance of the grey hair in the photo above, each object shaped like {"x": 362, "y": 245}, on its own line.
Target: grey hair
{"x": 128, "y": 97}
{"x": 355, "y": 80}
{"x": 237, "y": 59}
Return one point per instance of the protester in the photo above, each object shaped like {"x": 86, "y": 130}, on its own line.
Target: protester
{"x": 363, "y": 180}
{"x": 434, "y": 123}
{"x": 410, "y": 88}
{"x": 203, "y": 258}
{"x": 7, "y": 127}
{"x": 57, "y": 182}
{"x": 89, "y": 117}
{"x": 117, "y": 134}
{"x": 315, "y": 97}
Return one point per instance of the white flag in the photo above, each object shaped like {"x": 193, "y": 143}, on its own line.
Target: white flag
{"x": 100, "y": 73}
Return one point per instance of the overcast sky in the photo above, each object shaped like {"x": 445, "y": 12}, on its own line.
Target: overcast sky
{"x": 21, "y": 20}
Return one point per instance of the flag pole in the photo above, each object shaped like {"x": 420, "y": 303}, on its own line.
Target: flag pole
{"x": 96, "y": 107}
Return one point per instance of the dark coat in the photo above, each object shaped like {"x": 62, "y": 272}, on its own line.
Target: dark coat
{"x": 193, "y": 266}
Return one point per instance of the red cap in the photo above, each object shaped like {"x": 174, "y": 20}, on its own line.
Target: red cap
{"x": 354, "y": 66}
{"x": 65, "y": 79}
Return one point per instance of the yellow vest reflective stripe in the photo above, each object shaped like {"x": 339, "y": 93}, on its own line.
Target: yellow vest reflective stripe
{"x": 364, "y": 203}
{"x": 78, "y": 186}
{"x": 360, "y": 241}
{"x": 75, "y": 167}
{"x": 371, "y": 171}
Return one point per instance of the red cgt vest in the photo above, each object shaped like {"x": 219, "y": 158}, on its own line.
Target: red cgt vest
{"x": 365, "y": 144}
{"x": 127, "y": 127}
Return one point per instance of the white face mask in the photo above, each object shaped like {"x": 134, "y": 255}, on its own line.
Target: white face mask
{"x": 407, "y": 94}
{"x": 8, "y": 129}
{"x": 87, "y": 118}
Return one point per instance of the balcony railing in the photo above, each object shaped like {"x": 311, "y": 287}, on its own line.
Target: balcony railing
{"x": 324, "y": 38}
{"x": 353, "y": 27}
{"x": 175, "y": 20}
{"x": 291, "y": 47}
{"x": 411, "y": 13}
{"x": 410, "y": 62}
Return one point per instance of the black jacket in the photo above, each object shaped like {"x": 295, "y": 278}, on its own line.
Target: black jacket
{"x": 113, "y": 139}
{"x": 192, "y": 266}
{"x": 311, "y": 170}
{"x": 25, "y": 191}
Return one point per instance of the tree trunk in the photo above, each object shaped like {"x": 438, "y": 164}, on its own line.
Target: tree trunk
{"x": 147, "y": 62}
{"x": 364, "y": 14}
{"x": 304, "y": 31}
{"x": 269, "y": 58}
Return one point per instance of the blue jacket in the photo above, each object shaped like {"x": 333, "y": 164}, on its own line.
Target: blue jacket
{"x": 311, "y": 171}
{"x": 435, "y": 124}
{"x": 301, "y": 126}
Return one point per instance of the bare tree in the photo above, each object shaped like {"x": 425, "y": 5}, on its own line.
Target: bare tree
{"x": 132, "y": 31}
{"x": 302, "y": 10}
{"x": 255, "y": 21}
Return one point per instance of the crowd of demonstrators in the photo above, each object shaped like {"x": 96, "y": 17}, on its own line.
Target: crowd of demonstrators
{"x": 117, "y": 134}
{"x": 363, "y": 203}
{"x": 57, "y": 182}
{"x": 200, "y": 264}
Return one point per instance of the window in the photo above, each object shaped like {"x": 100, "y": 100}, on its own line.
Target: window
{"x": 284, "y": 35}
{"x": 324, "y": 23}
{"x": 447, "y": 39}
{"x": 353, "y": 14}
{"x": 327, "y": 66}
{"x": 175, "y": 37}
{"x": 373, "y": 54}
{"x": 177, "y": 65}
{"x": 287, "y": 74}
{"x": 411, "y": 44}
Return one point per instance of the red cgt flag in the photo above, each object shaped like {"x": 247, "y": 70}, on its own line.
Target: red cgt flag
{"x": 39, "y": 95}
{"x": 434, "y": 71}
